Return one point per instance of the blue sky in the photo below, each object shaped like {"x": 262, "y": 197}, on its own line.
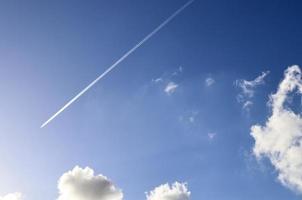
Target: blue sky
{"x": 128, "y": 126}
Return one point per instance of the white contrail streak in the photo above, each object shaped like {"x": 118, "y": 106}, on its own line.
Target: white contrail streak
{"x": 119, "y": 61}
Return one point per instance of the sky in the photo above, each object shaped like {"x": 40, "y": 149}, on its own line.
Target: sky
{"x": 208, "y": 108}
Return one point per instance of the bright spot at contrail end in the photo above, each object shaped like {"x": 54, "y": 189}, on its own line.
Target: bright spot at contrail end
{"x": 164, "y": 23}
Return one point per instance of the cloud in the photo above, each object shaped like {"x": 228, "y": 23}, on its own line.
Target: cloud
{"x": 247, "y": 105}
{"x": 171, "y": 88}
{"x": 177, "y": 191}
{"x": 82, "y": 184}
{"x": 178, "y": 71}
{"x": 248, "y": 89}
{"x": 189, "y": 117}
{"x": 12, "y": 196}
{"x": 248, "y": 86}
{"x": 280, "y": 139}
{"x": 157, "y": 80}
{"x": 209, "y": 81}
{"x": 211, "y": 136}
{"x": 168, "y": 81}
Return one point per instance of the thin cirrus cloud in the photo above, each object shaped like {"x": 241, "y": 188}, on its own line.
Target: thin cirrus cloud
{"x": 248, "y": 89}
{"x": 280, "y": 138}
{"x": 12, "y": 196}
{"x": 82, "y": 184}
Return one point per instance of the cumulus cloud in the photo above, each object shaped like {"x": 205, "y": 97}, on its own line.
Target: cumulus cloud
{"x": 177, "y": 191}
{"x": 82, "y": 184}
{"x": 280, "y": 139}
{"x": 171, "y": 88}
{"x": 248, "y": 89}
{"x": 209, "y": 81}
{"x": 12, "y": 196}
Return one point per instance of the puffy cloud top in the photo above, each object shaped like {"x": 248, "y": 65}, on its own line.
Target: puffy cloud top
{"x": 82, "y": 184}
{"x": 280, "y": 139}
{"x": 178, "y": 191}
{"x": 12, "y": 196}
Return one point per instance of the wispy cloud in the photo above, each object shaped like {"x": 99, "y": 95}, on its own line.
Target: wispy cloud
{"x": 178, "y": 71}
{"x": 189, "y": 117}
{"x": 280, "y": 139}
{"x": 167, "y": 82}
{"x": 209, "y": 81}
{"x": 211, "y": 136}
{"x": 171, "y": 88}
{"x": 247, "y": 105}
{"x": 157, "y": 80}
{"x": 248, "y": 89}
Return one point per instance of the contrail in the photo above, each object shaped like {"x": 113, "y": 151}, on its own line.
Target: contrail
{"x": 119, "y": 61}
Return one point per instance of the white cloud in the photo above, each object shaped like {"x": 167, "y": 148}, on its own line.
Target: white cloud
{"x": 209, "y": 81}
{"x": 280, "y": 139}
{"x": 189, "y": 117}
{"x": 168, "y": 81}
{"x": 247, "y": 105}
{"x": 192, "y": 119}
{"x": 211, "y": 136}
{"x": 82, "y": 184}
{"x": 248, "y": 89}
{"x": 178, "y": 71}
{"x": 178, "y": 191}
{"x": 157, "y": 80}
{"x": 248, "y": 86}
{"x": 171, "y": 88}
{"x": 12, "y": 196}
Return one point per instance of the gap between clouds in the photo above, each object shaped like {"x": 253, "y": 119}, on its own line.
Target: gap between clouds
{"x": 82, "y": 184}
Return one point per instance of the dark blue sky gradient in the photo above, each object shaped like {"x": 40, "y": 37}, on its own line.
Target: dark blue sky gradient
{"x": 126, "y": 127}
